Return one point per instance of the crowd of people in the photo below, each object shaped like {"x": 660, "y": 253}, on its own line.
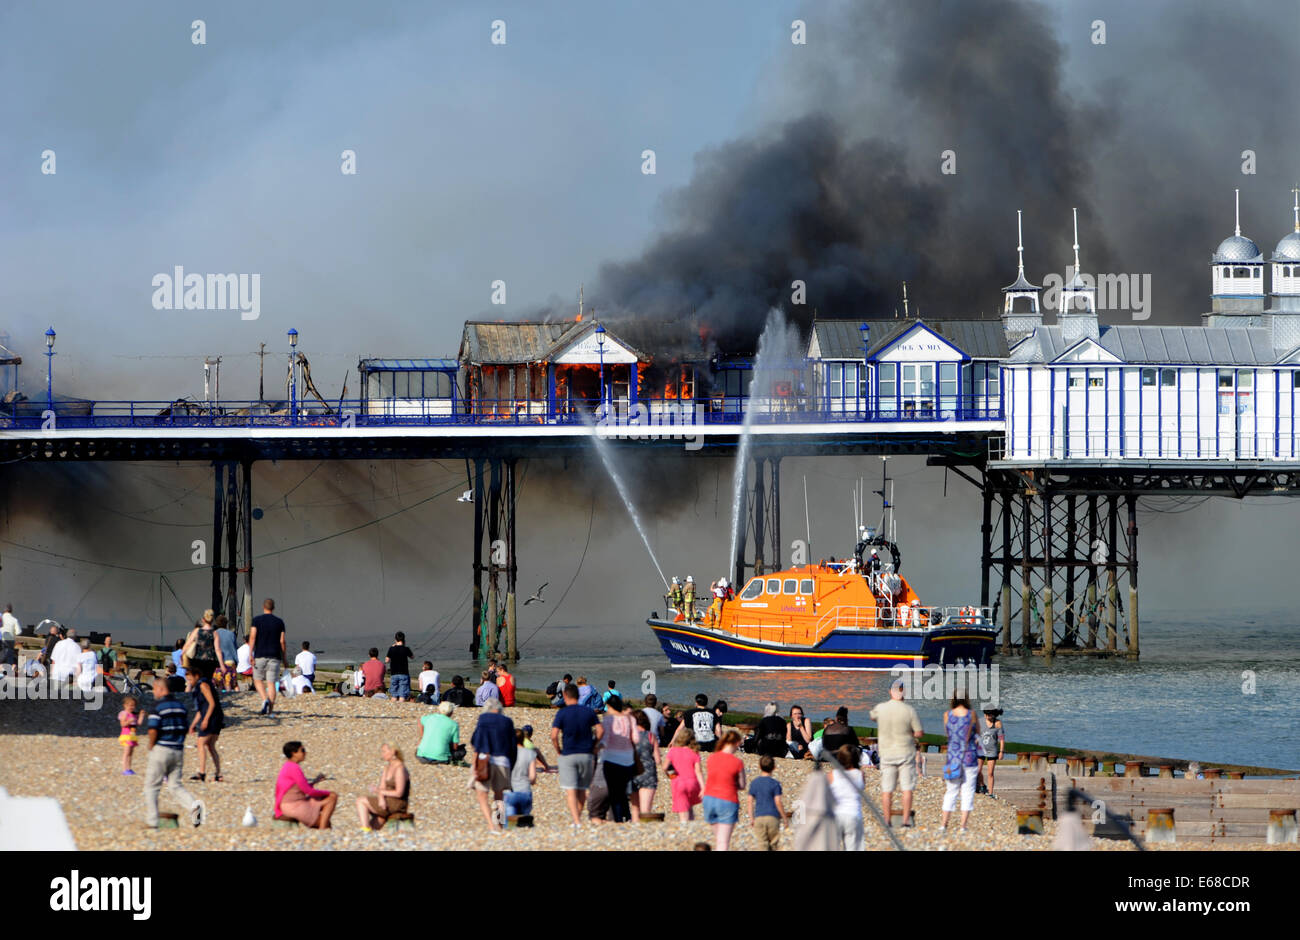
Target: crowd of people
{"x": 610, "y": 755}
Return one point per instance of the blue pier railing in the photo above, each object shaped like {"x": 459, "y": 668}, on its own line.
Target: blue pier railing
{"x": 161, "y": 415}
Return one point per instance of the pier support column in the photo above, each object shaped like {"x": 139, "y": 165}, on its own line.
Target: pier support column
{"x": 476, "y": 613}
{"x": 1007, "y": 503}
{"x": 1091, "y": 595}
{"x": 1049, "y": 635}
{"x": 1071, "y": 639}
{"x": 218, "y": 511}
{"x": 1132, "y": 577}
{"x": 776, "y": 512}
{"x": 494, "y": 564}
{"x": 248, "y": 546}
{"x": 760, "y": 505}
{"x": 1112, "y": 574}
{"x": 512, "y": 634}
{"x": 230, "y": 604}
{"x": 986, "y": 536}
{"x": 1026, "y": 589}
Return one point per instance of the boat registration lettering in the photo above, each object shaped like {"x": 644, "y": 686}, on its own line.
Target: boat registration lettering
{"x": 689, "y": 650}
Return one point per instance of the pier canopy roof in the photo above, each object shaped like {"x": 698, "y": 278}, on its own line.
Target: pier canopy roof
{"x": 407, "y": 365}
{"x": 968, "y": 339}
{"x": 842, "y": 339}
{"x": 1170, "y": 345}
{"x": 521, "y": 342}
{"x": 9, "y": 358}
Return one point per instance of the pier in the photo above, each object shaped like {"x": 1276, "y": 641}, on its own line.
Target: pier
{"x": 1064, "y": 427}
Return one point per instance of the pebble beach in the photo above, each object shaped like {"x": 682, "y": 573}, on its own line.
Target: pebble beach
{"x": 58, "y": 749}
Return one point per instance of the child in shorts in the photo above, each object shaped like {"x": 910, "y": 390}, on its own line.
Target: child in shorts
{"x": 128, "y": 719}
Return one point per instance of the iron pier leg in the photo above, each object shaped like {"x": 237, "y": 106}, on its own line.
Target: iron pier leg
{"x": 512, "y": 634}
{"x": 248, "y": 546}
{"x": 776, "y": 512}
{"x": 986, "y": 536}
{"x": 1026, "y": 590}
{"x": 1007, "y": 502}
{"x": 1049, "y": 634}
{"x": 1072, "y": 535}
{"x": 494, "y": 532}
{"x": 476, "y": 615}
{"x": 218, "y": 508}
{"x": 760, "y": 507}
{"x": 1132, "y": 577}
{"x": 1112, "y": 575}
{"x": 1091, "y": 595}
{"x": 232, "y": 543}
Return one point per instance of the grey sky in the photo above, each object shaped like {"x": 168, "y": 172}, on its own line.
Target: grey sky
{"x": 522, "y": 162}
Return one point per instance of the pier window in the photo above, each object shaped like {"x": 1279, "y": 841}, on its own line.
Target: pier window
{"x": 1076, "y": 381}
{"x": 790, "y": 585}
{"x": 918, "y": 387}
{"x": 1245, "y": 379}
{"x": 1095, "y": 382}
{"x": 1148, "y": 376}
{"x": 948, "y": 383}
{"x": 1225, "y": 378}
{"x": 1295, "y": 379}
{"x": 752, "y": 590}
{"x": 887, "y": 375}
{"x": 1168, "y": 378}
{"x": 773, "y": 586}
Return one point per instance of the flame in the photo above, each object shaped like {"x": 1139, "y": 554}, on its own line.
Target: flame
{"x": 578, "y": 318}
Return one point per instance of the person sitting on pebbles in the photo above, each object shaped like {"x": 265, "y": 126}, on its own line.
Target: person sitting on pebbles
{"x": 392, "y": 793}
{"x": 296, "y": 797}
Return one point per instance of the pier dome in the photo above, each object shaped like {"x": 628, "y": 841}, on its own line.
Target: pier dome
{"x": 1237, "y": 248}
{"x": 1288, "y": 249}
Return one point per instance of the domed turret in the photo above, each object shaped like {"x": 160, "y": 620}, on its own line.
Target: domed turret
{"x": 1022, "y": 321}
{"x": 1237, "y": 274}
{"x": 1286, "y": 265}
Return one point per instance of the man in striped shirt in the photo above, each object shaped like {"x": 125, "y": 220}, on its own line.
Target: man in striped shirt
{"x": 168, "y": 724}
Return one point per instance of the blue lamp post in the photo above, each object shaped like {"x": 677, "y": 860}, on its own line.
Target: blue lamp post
{"x": 600, "y": 345}
{"x": 293, "y": 377}
{"x": 49, "y": 368}
{"x": 865, "y": 332}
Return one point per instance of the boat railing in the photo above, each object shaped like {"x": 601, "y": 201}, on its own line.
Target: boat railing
{"x": 963, "y": 616}
{"x": 900, "y": 618}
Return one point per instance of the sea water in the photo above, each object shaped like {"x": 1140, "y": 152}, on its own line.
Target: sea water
{"x": 1211, "y": 689}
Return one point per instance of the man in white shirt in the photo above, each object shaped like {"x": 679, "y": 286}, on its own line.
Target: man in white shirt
{"x": 244, "y": 661}
{"x": 87, "y": 667}
{"x": 428, "y": 677}
{"x": 64, "y": 657}
{"x": 298, "y": 683}
{"x": 9, "y": 630}
{"x": 306, "y": 661}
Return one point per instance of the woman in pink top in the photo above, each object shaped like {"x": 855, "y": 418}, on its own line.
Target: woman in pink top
{"x": 682, "y": 765}
{"x": 296, "y": 797}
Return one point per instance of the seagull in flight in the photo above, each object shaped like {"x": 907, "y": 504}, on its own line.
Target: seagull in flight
{"x": 466, "y": 497}
{"x": 537, "y": 596}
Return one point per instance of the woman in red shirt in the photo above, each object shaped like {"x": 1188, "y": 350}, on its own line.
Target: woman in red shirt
{"x": 726, "y": 778}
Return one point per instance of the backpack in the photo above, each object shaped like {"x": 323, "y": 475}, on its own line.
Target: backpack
{"x": 553, "y": 689}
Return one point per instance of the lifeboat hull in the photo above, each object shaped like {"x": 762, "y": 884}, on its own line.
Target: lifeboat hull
{"x": 951, "y": 645}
